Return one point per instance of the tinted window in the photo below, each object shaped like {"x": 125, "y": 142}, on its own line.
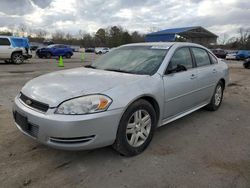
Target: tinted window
{"x": 4, "y": 42}
{"x": 182, "y": 57}
{"x": 201, "y": 57}
{"x": 213, "y": 59}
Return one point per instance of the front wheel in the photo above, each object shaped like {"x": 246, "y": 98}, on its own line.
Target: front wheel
{"x": 48, "y": 55}
{"x": 217, "y": 97}
{"x": 17, "y": 58}
{"x": 246, "y": 65}
{"x": 136, "y": 129}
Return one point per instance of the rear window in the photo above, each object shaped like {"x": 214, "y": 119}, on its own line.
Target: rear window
{"x": 201, "y": 57}
{"x": 4, "y": 42}
{"x": 213, "y": 59}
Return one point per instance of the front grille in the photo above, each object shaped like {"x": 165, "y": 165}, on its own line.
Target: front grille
{"x": 74, "y": 140}
{"x": 27, "y": 127}
{"x": 34, "y": 104}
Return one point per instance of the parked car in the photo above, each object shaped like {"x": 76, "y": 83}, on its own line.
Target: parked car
{"x": 231, "y": 55}
{"x": 55, "y": 50}
{"x": 89, "y": 50}
{"x": 243, "y": 54}
{"x": 101, "y": 50}
{"x": 220, "y": 53}
{"x": 246, "y": 63}
{"x": 75, "y": 48}
{"x": 34, "y": 46}
{"x": 48, "y": 42}
{"x": 14, "y": 49}
{"x": 122, "y": 97}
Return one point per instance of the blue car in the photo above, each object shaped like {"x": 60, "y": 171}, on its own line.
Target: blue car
{"x": 243, "y": 54}
{"x": 55, "y": 50}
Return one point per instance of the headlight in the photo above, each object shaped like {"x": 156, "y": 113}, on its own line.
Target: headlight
{"x": 84, "y": 105}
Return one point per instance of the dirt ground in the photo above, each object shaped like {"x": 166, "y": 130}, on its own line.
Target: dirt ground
{"x": 203, "y": 149}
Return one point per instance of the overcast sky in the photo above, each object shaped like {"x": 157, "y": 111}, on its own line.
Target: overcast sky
{"x": 219, "y": 16}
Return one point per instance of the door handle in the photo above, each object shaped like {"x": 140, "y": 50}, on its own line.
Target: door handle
{"x": 214, "y": 70}
{"x": 193, "y": 76}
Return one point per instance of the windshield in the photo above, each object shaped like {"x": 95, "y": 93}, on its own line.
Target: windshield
{"x": 51, "y": 46}
{"x": 132, "y": 59}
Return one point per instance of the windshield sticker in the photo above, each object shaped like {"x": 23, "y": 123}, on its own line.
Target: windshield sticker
{"x": 160, "y": 47}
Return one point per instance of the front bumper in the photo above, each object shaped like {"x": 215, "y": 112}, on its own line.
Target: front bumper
{"x": 68, "y": 132}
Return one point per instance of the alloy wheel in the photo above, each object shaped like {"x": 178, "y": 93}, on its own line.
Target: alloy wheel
{"x": 138, "y": 128}
{"x": 218, "y": 95}
{"x": 18, "y": 59}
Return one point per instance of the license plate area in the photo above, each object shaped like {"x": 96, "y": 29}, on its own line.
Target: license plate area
{"x": 21, "y": 120}
{"x": 27, "y": 127}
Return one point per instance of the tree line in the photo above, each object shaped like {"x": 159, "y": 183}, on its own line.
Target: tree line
{"x": 112, "y": 36}
{"x": 241, "y": 42}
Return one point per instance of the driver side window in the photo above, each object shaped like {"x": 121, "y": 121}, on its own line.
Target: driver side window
{"x": 183, "y": 57}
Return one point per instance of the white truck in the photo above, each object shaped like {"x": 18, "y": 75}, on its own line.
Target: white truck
{"x": 14, "y": 49}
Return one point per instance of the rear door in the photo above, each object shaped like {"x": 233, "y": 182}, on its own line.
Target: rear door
{"x": 62, "y": 49}
{"x": 5, "y": 48}
{"x": 207, "y": 73}
{"x": 180, "y": 87}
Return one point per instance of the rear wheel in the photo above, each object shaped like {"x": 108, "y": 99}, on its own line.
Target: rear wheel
{"x": 17, "y": 58}
{"x": 136, "y": 129}
{"x": 217, "y": 97}
{"x": 68, "y": 55}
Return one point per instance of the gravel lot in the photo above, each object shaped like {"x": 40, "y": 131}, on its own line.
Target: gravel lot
{"x": 203, "y": 149}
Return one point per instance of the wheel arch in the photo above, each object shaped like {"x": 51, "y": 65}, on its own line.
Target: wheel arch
{"x": 149, "y": 98}
{"x": 18, "y": 51}
{"x": 223, "y": 82}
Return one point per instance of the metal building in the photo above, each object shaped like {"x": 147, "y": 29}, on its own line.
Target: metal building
{"x": 190, "y": 34}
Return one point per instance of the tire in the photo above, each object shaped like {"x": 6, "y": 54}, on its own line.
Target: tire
{"x": 135, "y": 134}
{"x": 39, "y": 55}
{"x": 17, "y": 58}
{"x": 8, "y": 61}
{"x": 68, "y": 55}
{"x": 48, "y": 55}
{"x": 216, "y": 98}
{"x": 246, "y": 65}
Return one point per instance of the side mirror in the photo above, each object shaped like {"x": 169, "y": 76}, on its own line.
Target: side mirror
{"x": 179, "y": 68}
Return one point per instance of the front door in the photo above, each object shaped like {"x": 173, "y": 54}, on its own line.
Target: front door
{"x": 180, "y": 86}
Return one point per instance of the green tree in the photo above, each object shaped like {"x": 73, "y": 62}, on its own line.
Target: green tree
{"x": 100, "y": 37}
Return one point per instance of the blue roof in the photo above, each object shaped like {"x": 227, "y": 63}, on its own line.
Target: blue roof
{"x": 160, "y": 38}
{"x": 173, "y": 31}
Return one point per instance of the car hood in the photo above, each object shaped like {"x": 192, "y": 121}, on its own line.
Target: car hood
{"x": 56, "y": 87}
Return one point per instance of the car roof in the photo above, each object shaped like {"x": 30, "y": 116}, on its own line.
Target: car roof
{"x": 164, "y": 44}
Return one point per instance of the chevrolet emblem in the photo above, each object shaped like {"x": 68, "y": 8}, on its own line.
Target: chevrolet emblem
{"x": 28, "y": 102}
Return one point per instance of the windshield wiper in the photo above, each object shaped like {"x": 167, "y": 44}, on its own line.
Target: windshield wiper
{"x": 90, "y": 66}
{"x": 119, "y": 70}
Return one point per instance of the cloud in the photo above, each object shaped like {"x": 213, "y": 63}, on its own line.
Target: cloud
{"x": 219, "y": 16}
{"x": 42, "y": 3}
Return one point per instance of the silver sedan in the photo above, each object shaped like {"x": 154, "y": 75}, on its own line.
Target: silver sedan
{"x": 121, "y": 98}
